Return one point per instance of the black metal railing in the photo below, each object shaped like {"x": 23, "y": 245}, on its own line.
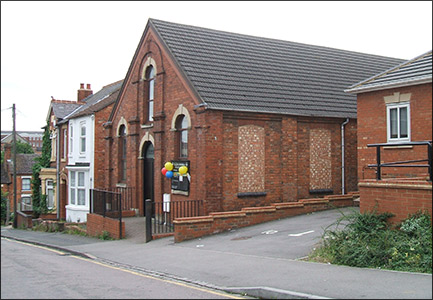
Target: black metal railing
{"x": 160, "y": 215}
{"x": 406, "y": 163}
{"x": 106, "y": 204}
{"x": 127, "y": 194}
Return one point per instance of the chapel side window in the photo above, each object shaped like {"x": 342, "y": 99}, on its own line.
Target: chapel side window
{"x": 182, "y": 136}
{"x": 122, "y": 153}
{"x": 150, "y": 77}
{"x": 398, "y": 122}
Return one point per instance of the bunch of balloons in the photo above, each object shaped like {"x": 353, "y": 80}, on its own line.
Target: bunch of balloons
{"x": 167, "y": 171}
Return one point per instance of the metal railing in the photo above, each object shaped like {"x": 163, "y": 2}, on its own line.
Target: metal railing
{"x": 160, "y": 215}
{"x": 406, "y": 163}
{"x": 127, "y": 194}
{"x": 106, "y": 204}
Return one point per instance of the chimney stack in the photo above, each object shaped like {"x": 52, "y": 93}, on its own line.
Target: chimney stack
{"x": 8, "y": 151}
{"x": 83, "y": 93}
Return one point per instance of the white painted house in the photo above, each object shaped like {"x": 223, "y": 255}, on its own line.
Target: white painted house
{"x": 81, "y": 151}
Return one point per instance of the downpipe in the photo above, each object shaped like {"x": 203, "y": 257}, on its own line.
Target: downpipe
{"x": 343, "y": 190}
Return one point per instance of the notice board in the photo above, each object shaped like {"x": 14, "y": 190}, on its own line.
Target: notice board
{"x": 180, "y": 185}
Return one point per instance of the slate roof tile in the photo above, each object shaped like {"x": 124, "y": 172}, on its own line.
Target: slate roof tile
{"x": 232, "y": 71}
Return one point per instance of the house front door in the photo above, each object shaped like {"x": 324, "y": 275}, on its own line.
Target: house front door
{"x": 148, "y": 171}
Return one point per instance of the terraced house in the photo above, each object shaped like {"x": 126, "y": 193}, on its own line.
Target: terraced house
{"x": 255, "y": 120}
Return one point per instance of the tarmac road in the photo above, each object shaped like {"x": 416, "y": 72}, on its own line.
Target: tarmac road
{"x": 262, "y": 260}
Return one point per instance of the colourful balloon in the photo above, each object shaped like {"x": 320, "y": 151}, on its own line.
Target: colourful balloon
{"x": 169, "y": 174}
{"x": 163, "y": 171}
{"x": 169, "y": 166}
{"x": 183, "y": 170}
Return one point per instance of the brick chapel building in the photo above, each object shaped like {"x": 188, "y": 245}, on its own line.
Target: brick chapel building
{"x": 256, "y": 120}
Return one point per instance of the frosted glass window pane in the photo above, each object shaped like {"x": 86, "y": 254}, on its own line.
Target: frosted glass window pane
{"x": 80, "y": 178}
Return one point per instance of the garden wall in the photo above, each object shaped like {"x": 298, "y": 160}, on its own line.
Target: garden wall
{"x": 194, "y": 227}
{"x": 97, "y": 224}
{"x": 401, "y": 197}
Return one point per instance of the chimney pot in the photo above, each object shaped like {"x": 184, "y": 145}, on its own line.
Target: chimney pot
{"x": 81, "y": 85}
{"x": 88, "y": 86}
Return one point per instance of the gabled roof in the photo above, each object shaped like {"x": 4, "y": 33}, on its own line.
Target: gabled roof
{"x": 62, "y": 108}
{"x": 25, "y": 163}
{"x": 9, "y": 139}
{"x": 230, "y": 71}
{"x": 414, "y": 71}
{"x": 93, "y": 103}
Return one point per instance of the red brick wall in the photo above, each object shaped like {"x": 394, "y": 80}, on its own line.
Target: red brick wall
{"x": 372, "y": 129}
{"x": 213, "y": 148}
{"x": 100, "y": 172}
{"x": 97, "y": 224}
{"x": 194, "y": 227}
{"x": 400, "y": 197}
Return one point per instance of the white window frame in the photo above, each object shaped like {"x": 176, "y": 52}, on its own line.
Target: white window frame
{"x": 397, "y": 106}
{"x": 30, "y": 206}
{"x": 71, "y": 139}
{"x": 78, "y": 188}
{"x": 22, "y": 183}
{"x": 49, "y": 186}
{"x": 65, "y": 142}
{"x": 83, "y": 138}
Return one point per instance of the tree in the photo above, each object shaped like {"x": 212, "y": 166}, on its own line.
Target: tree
{"x": 39, "y": 200}
{"x": 4, "y": 201}
{"x": 21, "y": 148}
{"x": 24, "y": 148}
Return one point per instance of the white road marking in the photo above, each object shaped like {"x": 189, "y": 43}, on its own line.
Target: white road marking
{"x": 302, "y": 233}
{"x": 270, "y": 231}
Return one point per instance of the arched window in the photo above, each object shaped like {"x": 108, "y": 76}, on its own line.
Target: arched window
{"x": 122, "y": 153}
{"x": 182, "y": 136}
{"x": 150, "y": 77}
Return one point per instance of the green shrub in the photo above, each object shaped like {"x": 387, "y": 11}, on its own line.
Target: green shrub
{"x": 368, "y": 241}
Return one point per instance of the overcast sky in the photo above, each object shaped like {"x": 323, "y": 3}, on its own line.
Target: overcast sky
{"x": 49, "y": 48}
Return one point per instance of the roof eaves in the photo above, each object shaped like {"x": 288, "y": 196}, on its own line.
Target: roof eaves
{"x": 116, "y": 103}
{"x": 388, "y": 85}
{"x": 357, "y": 86}
{"x": 176, "y": 62}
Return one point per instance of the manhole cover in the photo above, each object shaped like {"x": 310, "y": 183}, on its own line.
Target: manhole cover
{"x": 241, "y": 238}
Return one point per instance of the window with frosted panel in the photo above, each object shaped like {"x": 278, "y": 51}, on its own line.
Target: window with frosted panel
{"x": 81, "y": 189}
{"x": 72, "y": 188}
{"x": 83, "y": 139}
{"x": 50, "y": 193}
{"x": 25, "y": 184}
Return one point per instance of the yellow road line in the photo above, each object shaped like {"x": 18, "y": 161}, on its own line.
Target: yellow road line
{"x": 156, "y": 278}
{"x": 132, "y": 272}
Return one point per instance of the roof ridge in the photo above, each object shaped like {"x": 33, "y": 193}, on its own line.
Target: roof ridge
{"x": 266, "y": 38}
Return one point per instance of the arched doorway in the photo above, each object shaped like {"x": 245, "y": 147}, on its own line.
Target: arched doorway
{"x": 148, "y": 171}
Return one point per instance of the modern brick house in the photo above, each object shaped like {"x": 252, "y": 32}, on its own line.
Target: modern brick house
{"x": 395, "y": 108}
{"x": 256, "y": 120}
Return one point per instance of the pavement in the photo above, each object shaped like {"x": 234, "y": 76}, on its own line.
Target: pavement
{"x": 264, "y": 261}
